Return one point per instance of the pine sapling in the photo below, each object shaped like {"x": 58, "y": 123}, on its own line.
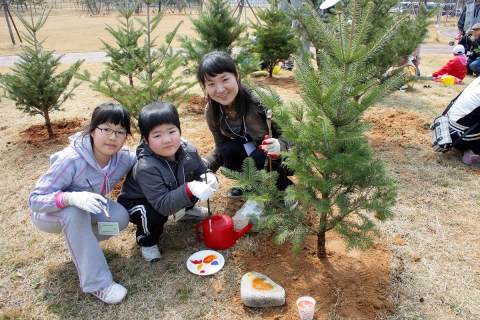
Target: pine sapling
{"x": 276, "y": 40}
{"x": 34, "y": 83}
{"x": 154, "y": 73}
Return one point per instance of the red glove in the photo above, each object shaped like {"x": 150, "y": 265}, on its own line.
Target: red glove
{"x": 270, "y": 146}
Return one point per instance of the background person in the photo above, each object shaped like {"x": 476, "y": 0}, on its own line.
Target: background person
{"x": 166, "y": 180}
{"x": 238, "y": 124}
{"x": 463, "y": 114}
{"x": 457, "y": 66}
{"x": 63, "y": 201}
{"x": 470, "y": 15}
{"x": 471, "y": 42}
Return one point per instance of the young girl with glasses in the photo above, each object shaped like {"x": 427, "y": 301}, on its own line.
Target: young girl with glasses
{"x": 70, "y": 197}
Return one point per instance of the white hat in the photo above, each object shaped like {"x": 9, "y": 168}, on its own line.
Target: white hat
{"x": 458, "y": 49}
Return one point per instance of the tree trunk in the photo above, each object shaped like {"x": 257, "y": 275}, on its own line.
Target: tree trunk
{"x": 321, "y": 249}
{"x": 321, "y": 242}
{"x": 130, "y": 78}
{"x": 49, "y": 126}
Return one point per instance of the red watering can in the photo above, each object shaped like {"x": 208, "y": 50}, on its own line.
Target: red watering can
{"x": 222, "y": 234}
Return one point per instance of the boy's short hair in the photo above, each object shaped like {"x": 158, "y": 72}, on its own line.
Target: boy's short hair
{"x": 155, "y": 114}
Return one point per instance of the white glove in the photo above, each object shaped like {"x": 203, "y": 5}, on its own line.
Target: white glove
{"x": 211, "y": 180}
{"x": 200, "y": 190}
{"x": 88, "y": 201}
{"x": 271, "y": 146}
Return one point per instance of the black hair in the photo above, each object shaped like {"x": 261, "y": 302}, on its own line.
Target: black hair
{"x": 217, "y": 62}
{"x": 155, "y": 114}
{"x": 108, "y": 112}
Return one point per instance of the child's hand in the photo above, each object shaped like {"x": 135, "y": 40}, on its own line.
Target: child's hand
{"x": 200, "y": 190}
{"x": 88, "y": 201}
{"x": 271, "y": 146}
{"x": 211, "y": 180}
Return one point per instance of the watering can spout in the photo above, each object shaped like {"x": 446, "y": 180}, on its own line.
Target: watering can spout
{"x": 244, "y": 230}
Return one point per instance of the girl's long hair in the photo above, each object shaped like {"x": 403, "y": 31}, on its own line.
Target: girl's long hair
{"x": 217, "y": 62}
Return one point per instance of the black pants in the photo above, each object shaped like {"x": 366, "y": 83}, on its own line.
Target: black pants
{"x": 234, "y": 153}
{"x": 149, "y": 222}
{"x": 463, "y": 145}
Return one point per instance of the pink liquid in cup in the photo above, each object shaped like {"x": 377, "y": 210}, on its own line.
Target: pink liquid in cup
{"x": 306, "y": 307}
{"x": 305, "y": 304}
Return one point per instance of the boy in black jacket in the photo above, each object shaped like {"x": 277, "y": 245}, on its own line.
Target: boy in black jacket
{"x": 166, "y": 180}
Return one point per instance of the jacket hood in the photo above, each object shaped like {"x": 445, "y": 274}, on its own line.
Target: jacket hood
{"x": 462, "y": 58}
{"x": 83, "y": 146}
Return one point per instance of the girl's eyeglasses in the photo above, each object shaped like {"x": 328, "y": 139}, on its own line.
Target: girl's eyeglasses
{"x": 107, "y": 131}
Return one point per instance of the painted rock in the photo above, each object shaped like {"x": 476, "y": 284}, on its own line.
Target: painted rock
{"x": 258, "y": 290}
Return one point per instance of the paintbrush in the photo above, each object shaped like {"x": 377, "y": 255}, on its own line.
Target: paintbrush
{"x": 208, "y": 207}
{"x": 101, "y": 204}
{"x": 268, "y": 159}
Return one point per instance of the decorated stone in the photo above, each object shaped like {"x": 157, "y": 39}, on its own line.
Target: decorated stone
{"x": 258, "y": 290}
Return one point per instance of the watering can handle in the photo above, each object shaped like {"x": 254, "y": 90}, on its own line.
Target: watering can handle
{"x": 198, "y": 233}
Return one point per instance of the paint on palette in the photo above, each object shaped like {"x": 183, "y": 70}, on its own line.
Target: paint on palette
{"x": 210, "y": 259}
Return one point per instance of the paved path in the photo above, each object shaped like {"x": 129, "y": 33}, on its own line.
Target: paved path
{"x": 101, "y": 56}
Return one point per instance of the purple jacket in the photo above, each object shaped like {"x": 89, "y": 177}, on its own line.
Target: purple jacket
{"x": 70, "y": 169}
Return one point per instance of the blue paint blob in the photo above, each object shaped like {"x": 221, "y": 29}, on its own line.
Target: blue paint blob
{"x": 214, "y": 263}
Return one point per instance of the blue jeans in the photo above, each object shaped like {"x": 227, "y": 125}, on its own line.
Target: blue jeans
{"x": 474, "y": 65}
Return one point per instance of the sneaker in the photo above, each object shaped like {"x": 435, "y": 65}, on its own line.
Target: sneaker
{"x": 470, "y": 158}
{"x": 196, "y": 213}
{"x": 151, "y": 254}
{"x": 235, "y": 193}
{"x": 111, "y": 294}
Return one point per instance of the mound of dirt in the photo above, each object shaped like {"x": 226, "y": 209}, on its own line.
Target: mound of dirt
{"x": 397, "y": 127}
{"x": 351, "y": 285}
{"x": 61, "y": 128}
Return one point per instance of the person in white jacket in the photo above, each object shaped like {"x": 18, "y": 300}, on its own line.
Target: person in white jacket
{"x": 463, "y": 114}
{"x": 70, "y": 197}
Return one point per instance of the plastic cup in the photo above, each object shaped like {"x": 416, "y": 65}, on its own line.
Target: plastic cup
{"x": 306, "y": 307}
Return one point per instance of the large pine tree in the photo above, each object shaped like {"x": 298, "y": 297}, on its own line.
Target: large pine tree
{"x": 342, "y": 185}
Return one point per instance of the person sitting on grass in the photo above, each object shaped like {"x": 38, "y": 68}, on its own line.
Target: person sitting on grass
{"x": 237, "y": 122}
{"x": 166, "y": 180}
{"x": 471, "y": 41}
{"x": 463, "y": 114}
{"x": 457, "y": 66}
{"x": 69, "y": 198}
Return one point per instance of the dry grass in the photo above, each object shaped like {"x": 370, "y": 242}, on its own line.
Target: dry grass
{"x": 435, "y": 269}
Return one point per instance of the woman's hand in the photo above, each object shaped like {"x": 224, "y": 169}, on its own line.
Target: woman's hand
{"x": 270, "y": 146}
